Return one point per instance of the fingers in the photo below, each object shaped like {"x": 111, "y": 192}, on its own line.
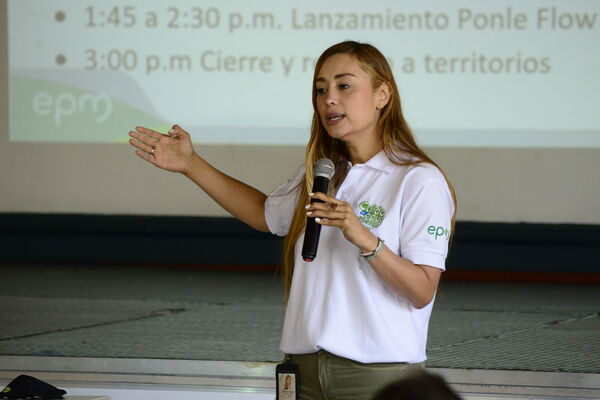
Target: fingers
{"x": 325, "y": 211}
{"x": 331, "y": 209}
{"x": 325, "y": 214}
{"x": 150, "y": 136}
{"x": 146, "y": 156}
{"x": 178, "y": 133}
{"x": 326, "y": 203}
{"x": 341, "y": 223}
{"x": 176, "y": 130}
{"x": 323, "y": 197}
{"x": 142, "y": 142}
{"x": 147, "y": 140}
{"x": 149, "y": 132}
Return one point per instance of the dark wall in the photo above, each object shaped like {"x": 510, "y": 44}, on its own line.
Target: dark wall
{"x": 202, "y": 240}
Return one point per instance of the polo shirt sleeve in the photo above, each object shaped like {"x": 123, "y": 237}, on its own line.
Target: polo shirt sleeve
{"x": 427, "y": 219}
{"x": 281, "y": 203}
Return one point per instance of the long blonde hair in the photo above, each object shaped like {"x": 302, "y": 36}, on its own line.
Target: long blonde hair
{"x": 398, "y": 141}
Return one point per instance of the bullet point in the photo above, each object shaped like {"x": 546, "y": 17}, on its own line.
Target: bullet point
{"x": 61, "y": 59}
{"x": 59, "y": 16}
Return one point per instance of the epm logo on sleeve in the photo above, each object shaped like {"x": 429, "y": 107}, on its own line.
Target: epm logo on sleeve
{"x": 438, "y": 231}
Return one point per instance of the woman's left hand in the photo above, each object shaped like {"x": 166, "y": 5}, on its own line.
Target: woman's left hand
{"x": 339, "y": 214}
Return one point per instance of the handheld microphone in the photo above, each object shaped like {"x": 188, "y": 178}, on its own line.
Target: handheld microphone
{"x": 322, "y": 173}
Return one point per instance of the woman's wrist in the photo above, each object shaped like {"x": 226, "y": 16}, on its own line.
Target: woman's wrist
{"x": 372, "y": 254}
{"x": 191, "y": 164}
{"x": 369, "y": 245}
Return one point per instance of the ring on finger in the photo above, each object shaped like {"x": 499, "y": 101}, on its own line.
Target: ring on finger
{"x": 333, "y": 207}
{"x": 152, "y": 151}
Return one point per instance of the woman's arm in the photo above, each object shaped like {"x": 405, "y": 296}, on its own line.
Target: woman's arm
{"x": 242, "y": 201}
{"x": 418, "y": 283}
{"x": 174, "y": 152}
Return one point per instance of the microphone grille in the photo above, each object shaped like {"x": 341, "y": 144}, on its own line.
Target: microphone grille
{"x": 325, "y": 168}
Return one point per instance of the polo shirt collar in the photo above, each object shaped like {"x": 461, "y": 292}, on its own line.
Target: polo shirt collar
{"x": 379, "y": 162}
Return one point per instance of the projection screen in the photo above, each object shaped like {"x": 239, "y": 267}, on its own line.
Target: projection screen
{"x": 472, "y": 75}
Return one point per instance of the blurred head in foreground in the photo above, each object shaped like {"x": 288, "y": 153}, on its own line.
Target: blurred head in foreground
{"x": 418, "y": 386}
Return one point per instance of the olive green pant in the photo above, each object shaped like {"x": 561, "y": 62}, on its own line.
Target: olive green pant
{"x": 324, "y": 376}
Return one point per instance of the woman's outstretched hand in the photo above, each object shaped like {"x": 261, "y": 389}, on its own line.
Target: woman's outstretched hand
{"x": 340, "y": 214}
{"x": 173, "y": 151}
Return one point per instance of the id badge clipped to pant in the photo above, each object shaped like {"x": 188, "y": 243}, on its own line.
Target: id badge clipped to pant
{"x": 287, "y": 378}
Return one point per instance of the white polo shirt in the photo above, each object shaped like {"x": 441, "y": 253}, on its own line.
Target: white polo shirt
{"x": 338, "y": 303}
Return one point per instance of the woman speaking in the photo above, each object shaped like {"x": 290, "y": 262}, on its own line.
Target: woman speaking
{"x": 357, "y": 315}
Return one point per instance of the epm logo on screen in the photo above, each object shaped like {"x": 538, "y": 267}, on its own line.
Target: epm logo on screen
{"x": 61, "y": 105}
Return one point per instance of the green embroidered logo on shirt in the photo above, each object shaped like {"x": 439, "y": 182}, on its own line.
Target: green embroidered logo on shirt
{"x": 371, "y": 215}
